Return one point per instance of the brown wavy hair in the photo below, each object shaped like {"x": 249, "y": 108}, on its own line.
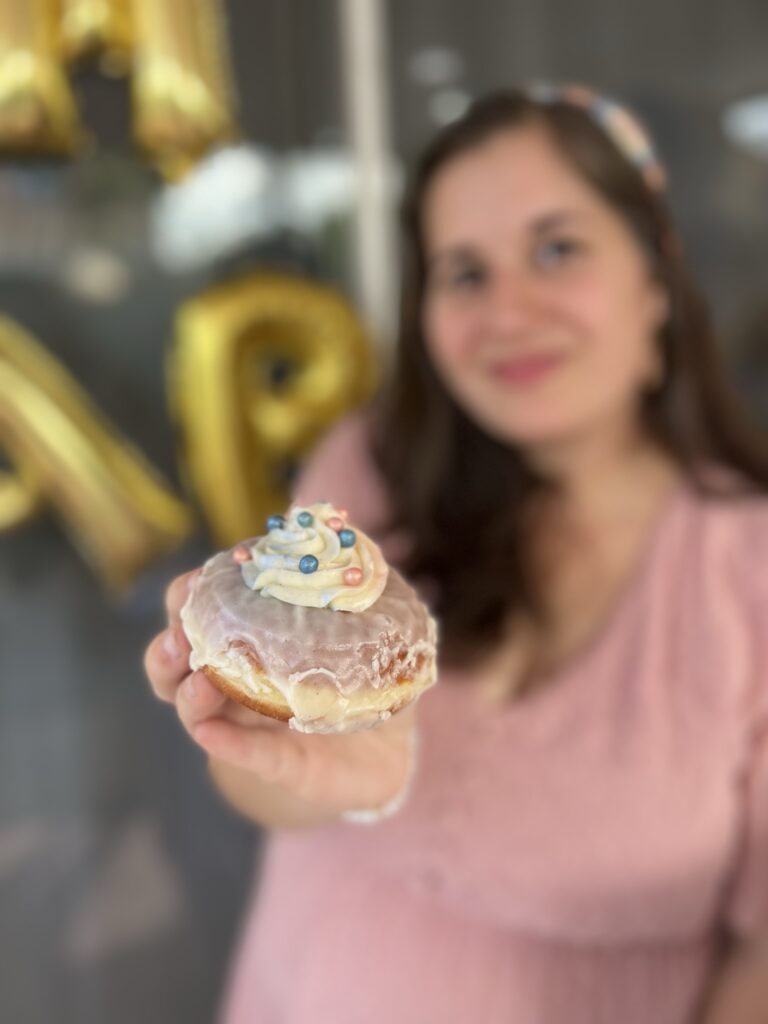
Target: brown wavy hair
{"x": 448, "y": 479}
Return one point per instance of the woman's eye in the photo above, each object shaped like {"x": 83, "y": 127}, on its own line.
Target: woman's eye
{"x": 555, "y": 251}
{"x": 465, "y": 278}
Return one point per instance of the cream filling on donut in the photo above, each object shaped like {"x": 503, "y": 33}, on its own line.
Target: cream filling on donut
{"x": 275, "y": 558}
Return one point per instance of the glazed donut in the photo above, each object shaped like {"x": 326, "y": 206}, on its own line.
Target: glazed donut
{"x": 308, "y": 624}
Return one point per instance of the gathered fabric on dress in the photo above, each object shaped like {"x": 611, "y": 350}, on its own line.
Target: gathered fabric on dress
{"x": 574, "y": 856}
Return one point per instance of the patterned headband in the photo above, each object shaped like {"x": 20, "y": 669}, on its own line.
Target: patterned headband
{"x": 618, "y": 123}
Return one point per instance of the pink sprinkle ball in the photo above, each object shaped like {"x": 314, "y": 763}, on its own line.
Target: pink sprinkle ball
{"x": 241, "y": 555}
{"x": 353, "y": 577}
{"x": 335, "y": 523}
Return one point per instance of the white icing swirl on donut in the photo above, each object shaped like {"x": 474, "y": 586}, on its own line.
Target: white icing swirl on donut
{"x": 274, "y": 566}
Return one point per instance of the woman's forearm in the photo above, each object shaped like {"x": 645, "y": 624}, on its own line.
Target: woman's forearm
{"x": 263, "y": 803}
{"x": 739, "y": 994}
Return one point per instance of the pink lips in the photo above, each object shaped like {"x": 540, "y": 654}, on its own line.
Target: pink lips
{"x": 525, "y": 370}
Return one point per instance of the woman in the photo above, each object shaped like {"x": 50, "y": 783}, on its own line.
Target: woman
{"x": 583, "y": 836}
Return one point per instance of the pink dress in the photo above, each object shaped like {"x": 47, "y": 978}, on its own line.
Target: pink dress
{"x": 570, "y": 858}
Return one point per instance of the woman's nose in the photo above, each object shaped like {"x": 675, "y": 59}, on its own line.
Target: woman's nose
{"x": 513, "y": 301}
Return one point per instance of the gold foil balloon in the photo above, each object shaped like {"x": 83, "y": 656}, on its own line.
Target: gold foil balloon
{"x": 102, "y": 28}
{"x": 118, "y": 510}
{"x": 20, "y": 498}
{"x": 182, "y": 88}
{"x": 261, "y": 366}
{"x": 37, "y": 109}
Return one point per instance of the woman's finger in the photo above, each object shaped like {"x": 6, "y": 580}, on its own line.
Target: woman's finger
{"x": 340, "y": 772}
{"x": 166, "y": 662}
{"x": 332, "y": 771}
{"x": 272, "y": 754}
{"x": 177, "y": 593}
{"x": 198, "y": 699}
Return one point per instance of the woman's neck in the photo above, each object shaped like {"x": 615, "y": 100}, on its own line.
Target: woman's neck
{"x": 607, "y": 475}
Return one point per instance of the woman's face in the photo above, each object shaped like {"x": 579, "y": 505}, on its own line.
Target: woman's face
{"x": 540, "y": 312}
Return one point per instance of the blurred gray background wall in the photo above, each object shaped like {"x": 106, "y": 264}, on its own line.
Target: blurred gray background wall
{"x": 121, "y": 873}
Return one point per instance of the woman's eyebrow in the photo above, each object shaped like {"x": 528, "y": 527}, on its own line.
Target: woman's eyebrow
{"x": 452, "y": 255}
{"x": 542, "y": 223}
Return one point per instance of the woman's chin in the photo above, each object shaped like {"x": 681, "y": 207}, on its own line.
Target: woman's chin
{"x": 531, "y": 434}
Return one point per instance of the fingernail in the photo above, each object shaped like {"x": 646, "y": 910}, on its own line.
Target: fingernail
{"x": 190, "y": 685}
{"x": 172, "y": 644}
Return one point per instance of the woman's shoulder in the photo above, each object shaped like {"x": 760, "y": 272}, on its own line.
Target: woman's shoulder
{"x": 341, "y": 469}
{"x": 747, "y": 520}
{"x": 348, "y": 437}
{"x": 735, "y": 509}
{"x": 733, "y": 523}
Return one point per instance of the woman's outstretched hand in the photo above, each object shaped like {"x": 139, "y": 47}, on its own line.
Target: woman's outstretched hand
{"x": 269, "y": 772}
